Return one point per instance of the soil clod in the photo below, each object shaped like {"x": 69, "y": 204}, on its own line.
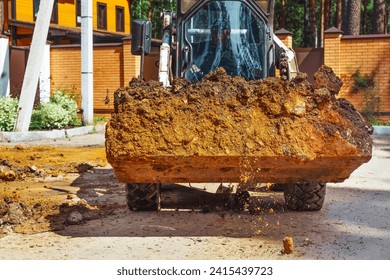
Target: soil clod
{"x": 288, "y": 245}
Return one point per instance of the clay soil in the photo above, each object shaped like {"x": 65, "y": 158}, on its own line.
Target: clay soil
{"x": 202, "y": 132}
{"x": 35, "y": 185}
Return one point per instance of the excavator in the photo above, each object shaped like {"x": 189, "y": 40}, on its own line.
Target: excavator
{"x": 199, "y": 38}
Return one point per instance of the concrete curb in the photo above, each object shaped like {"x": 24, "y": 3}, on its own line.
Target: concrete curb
{"x": 381, "y": 130}
{"x": 52, "y": 134}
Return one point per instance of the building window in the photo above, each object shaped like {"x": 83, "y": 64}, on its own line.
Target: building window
{"x": 102, "y": 16}
{"x": 54, "y": 14}
{"x": 120, "y": 19}
{"x": 78, "y": 12}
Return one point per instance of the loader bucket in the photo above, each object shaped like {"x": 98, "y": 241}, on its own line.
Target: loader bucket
{"x": 216, "y": 169}
{"x": 227, "y": 129}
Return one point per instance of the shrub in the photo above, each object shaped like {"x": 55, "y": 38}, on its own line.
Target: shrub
{"x": 362, "y": 82}
{"x": 60, "y": 112}
{"x": 8, "y": 113}
{"x": 66, "y": 101}
{"x": 368, "y": 86}
{"x": 49, "y": 116}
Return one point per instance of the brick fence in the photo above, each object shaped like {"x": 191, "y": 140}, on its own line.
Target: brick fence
{"x": 113, "y": 67}
{"x": 367, "y": 55}
{"x": 364, "y": 54}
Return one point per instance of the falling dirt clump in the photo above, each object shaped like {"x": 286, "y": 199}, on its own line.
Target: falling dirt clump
{"x": 215, "y": 130}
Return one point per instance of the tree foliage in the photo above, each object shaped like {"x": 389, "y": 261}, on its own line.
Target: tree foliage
{"x": 351, "y": 16}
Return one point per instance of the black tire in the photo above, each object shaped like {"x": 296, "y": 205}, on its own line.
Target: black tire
{"x": 308, "y": 196}
{"x": 143, "y": 196}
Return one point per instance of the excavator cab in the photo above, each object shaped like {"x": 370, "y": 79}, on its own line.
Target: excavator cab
{"x": 206, "y": 34}
{"x": 235, "y": 35}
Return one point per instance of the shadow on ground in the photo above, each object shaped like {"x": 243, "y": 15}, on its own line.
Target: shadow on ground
{"x": 101, "y": 202}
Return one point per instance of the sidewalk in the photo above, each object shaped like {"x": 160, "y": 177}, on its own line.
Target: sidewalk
{"x": 77, "y": 137}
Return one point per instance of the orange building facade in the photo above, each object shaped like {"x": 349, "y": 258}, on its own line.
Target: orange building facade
{"x": 111, "y": 21}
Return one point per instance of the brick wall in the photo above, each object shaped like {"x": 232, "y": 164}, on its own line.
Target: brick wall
{"x": 113, "y": 67}
{"x": 65, "y": 69}
{"x": 367, "y": 54}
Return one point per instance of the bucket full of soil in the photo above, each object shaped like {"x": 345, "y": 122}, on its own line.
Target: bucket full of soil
{"x": 227, "y": 129}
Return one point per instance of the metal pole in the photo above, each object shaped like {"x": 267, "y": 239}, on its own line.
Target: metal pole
{"x": 87, "y": 61}
{"x": 141, "y": 75}
{"x": 34, "y": 65}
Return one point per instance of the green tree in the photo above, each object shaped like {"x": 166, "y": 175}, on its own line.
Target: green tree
{"x": 379, "y": 17}
{"x": 294, "y": 19}
{"x": 313, "y": 23}
{"x": 339, "y": 6}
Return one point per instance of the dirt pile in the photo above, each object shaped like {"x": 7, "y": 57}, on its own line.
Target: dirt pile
{"x": 21, "y": 162}
{"x": 32, "y": 180}
{"x": 228, "y": 129}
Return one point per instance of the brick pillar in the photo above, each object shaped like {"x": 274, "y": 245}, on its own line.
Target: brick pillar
{"x": 332, "y": 42}
{"x": 131, "y": 63}
{"x": 285, "y": 36}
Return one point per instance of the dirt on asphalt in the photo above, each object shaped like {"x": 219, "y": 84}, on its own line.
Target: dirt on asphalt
{"x": 82, "y": 214}
{"x": 53, "y": 188}
{"x": 33, "y": 184}
{"x": 217, "y": 122}
{"x": 52, "y": 191}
